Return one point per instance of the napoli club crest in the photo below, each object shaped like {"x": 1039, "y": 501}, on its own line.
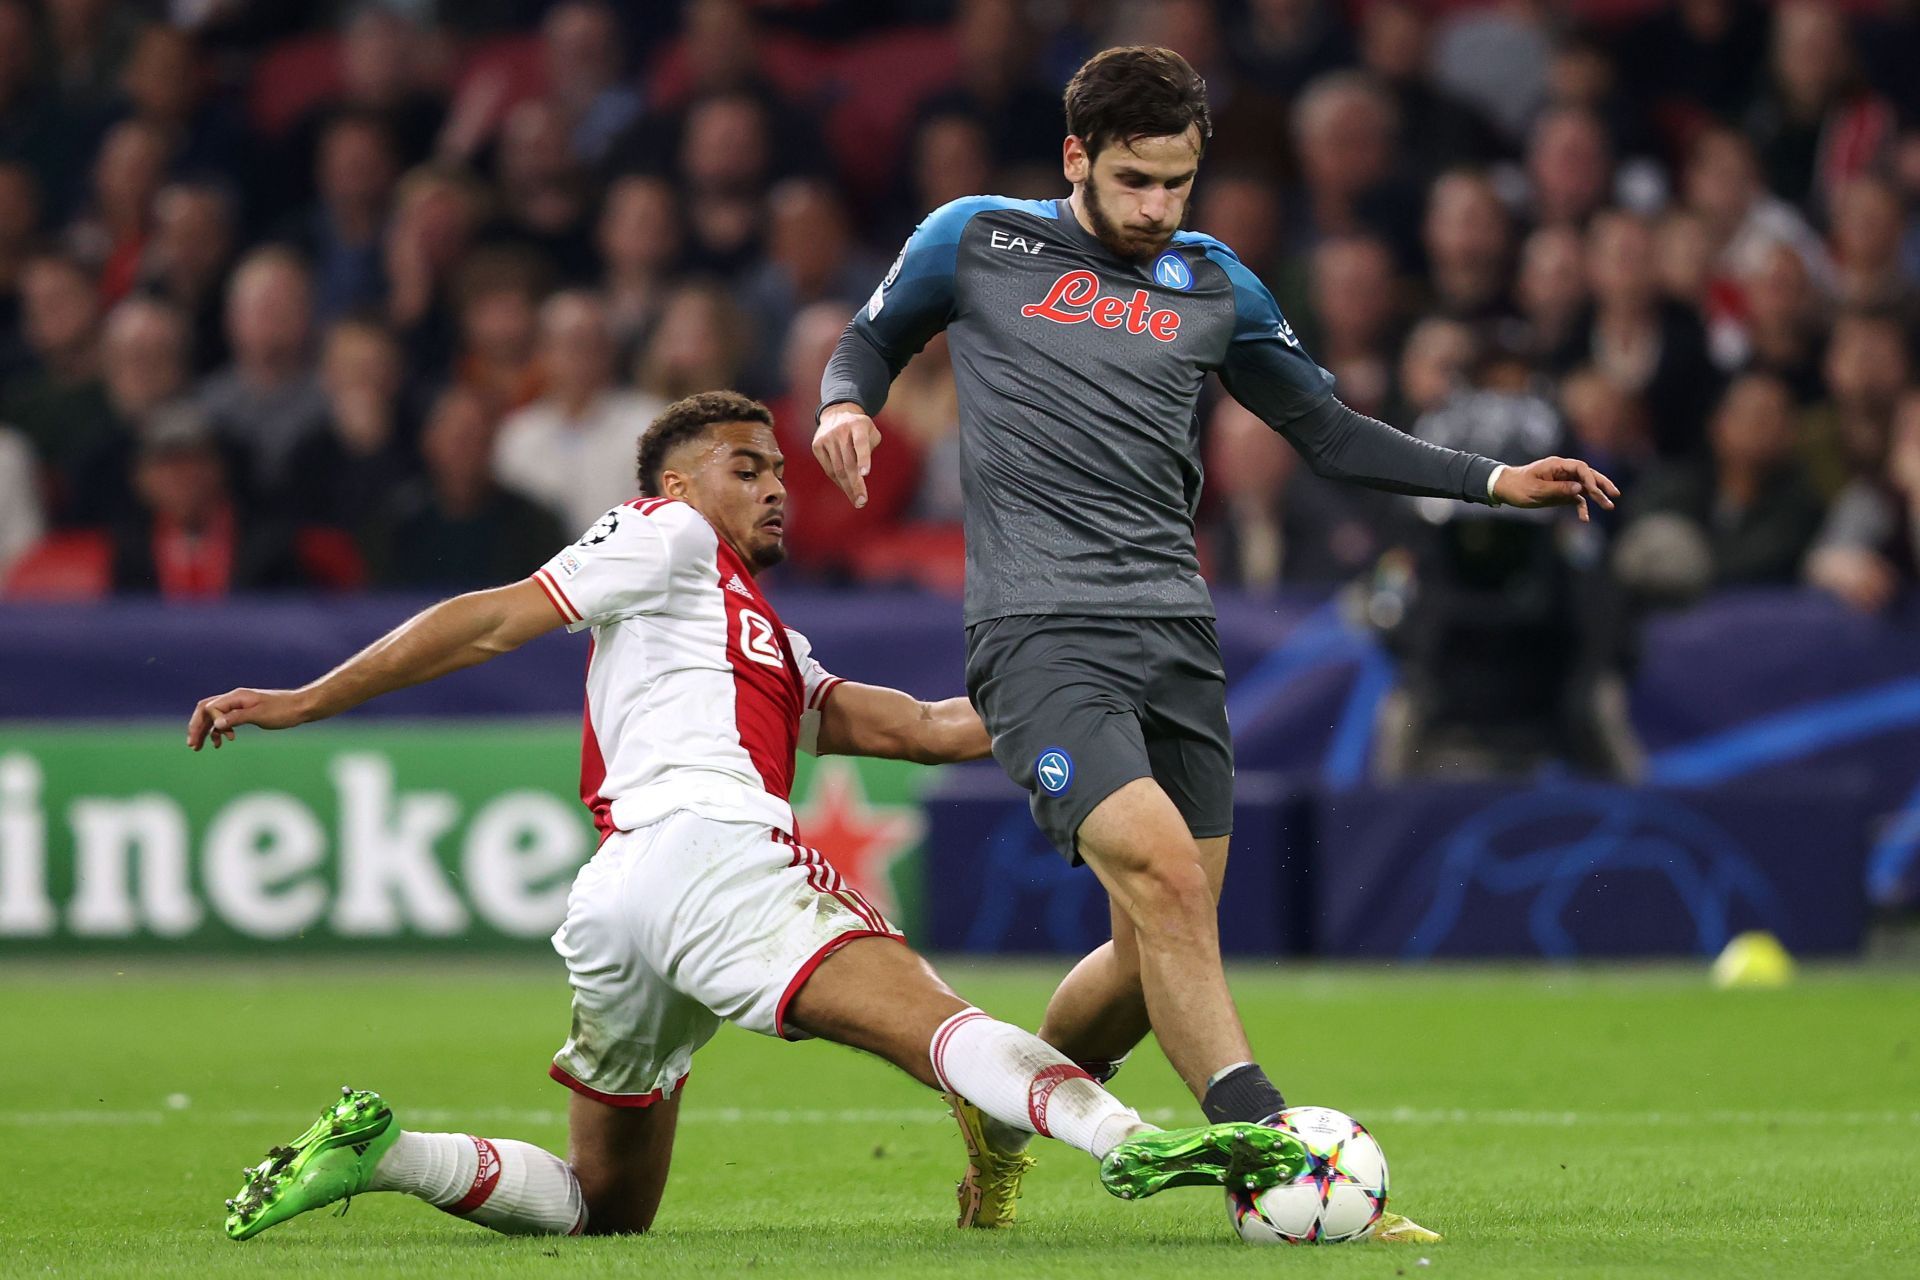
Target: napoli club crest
{"x": 1170, "y": 271}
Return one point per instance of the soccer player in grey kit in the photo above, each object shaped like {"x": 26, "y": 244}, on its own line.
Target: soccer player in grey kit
{"x": 1081, "y": 331}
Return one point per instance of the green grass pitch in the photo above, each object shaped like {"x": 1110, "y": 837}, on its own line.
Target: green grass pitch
{"x": 1555, "y": 1123}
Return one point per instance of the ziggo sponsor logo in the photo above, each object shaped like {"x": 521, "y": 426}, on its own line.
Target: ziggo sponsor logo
{"x": 1076, "y": 296}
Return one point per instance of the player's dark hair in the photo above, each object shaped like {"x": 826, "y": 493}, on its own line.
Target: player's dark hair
{"x": 683, "y": 420}
{"x": 1136, "y": 91}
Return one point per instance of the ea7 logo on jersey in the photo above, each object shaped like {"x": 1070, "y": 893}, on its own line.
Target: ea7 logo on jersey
{"x": 758, "y": 641}
{"x": 1017, "y": 244}
{"x": 1076, "y": 297}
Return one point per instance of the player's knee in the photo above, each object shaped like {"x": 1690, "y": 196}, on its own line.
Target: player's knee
{"x": 1167, "y": 898}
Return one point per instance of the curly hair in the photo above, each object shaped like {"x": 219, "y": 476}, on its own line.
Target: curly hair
{"x": 686, "y": 419}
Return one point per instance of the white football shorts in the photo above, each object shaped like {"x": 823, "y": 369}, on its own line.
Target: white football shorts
{"x": 680, "y": 925}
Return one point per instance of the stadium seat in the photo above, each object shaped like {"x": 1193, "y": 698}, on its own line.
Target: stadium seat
{"x": 519, "y": 63}
{"x": 876, "y": 86}
{"x": 791, "y": 64}
{"x": 72, "y": 565}
{"x": 933, "y": 556}
{"x": 330, "y": 558}
{"x": 289, "y": 78}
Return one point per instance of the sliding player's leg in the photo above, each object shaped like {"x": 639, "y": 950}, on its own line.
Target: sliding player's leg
{"x": 357, "y": 1146}
{"x": 621, "y": 1156}
{"x": 1096, "y": 1017}
{"x": 883, "y": 998}
{"x": 633, "y": 1040}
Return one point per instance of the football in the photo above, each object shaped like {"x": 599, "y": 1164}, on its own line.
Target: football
{"x": 1339, "y": 1196}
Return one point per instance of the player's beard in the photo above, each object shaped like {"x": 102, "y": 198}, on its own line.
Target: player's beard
{"x": 1121, "y": 243}
{"x": 768, "y": 555}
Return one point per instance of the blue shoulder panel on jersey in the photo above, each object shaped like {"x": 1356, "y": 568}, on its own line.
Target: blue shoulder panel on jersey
{"x": 938, "y": 234}
{"x": 1255, "y": 313}
{"x": 916, "y": 298}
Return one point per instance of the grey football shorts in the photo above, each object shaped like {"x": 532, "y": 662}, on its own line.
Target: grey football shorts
{"x": 1080, "y": 706}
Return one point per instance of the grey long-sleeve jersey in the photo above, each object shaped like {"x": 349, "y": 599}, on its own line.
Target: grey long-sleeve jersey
{"x": 1078, "y": 375}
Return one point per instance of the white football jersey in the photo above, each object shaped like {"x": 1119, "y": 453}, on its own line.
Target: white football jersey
{"x": 697, "y": 696}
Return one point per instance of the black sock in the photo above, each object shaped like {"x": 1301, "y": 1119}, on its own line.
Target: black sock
{"x": 1244, "y": 1093}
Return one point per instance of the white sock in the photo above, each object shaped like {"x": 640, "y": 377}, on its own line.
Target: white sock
{"x": 1005, "y": 1137}
{"x": 513, "y": 1187}
{"x": 1027, "y": 1085}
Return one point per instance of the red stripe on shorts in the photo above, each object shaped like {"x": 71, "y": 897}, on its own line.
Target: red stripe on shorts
{"x": 836, "y": 887}
{"x": 561, "y": 1074}
{"x": 805, "y": 971}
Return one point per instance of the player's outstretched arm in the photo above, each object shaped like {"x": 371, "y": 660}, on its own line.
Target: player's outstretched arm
{"x": 462, "y": 632}
{"x": 1554, "y": 482}
{"x": 1268, "y": 371}
{"x": 866, "y": 720}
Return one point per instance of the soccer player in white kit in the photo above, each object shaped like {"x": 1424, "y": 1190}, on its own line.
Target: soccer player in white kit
{"x": 701, "y": 905}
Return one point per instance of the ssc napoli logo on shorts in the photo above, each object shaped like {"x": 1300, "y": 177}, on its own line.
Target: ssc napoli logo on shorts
{"x": 1054, "y": 771}
{"x": 1171, "y": 271}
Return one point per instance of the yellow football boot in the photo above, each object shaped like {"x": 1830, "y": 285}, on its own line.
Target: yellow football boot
{"x": 989, "y": 1192}
{"x": 1394, "y": 1228}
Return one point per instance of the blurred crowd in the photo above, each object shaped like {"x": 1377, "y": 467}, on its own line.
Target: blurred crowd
{"x": 380, "y": 295}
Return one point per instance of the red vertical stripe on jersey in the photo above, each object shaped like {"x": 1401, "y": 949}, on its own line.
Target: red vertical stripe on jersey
{"x": 593, "y": 765}
{"x": 768, "y": 695}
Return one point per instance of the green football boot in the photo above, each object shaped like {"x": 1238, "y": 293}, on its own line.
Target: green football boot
{"x": 333, "y": 1160}
{"x": 1249, "y": 1156}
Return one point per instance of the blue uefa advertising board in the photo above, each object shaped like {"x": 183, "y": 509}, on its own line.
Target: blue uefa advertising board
{"x": 1782, "y": 789}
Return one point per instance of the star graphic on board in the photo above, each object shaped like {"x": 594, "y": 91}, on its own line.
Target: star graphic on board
{"x": 862, "y": 839}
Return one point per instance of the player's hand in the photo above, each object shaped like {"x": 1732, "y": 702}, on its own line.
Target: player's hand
{"x": 216, "y": 718}
{"x": 1555, "y": 482}
{"x": 844, "y": 444}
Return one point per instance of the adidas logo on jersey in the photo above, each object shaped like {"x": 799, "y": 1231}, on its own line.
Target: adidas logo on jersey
{"x": 738, "y": 587}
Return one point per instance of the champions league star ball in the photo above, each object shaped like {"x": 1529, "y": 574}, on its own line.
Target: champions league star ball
{"x": 1339, "y": 1196}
